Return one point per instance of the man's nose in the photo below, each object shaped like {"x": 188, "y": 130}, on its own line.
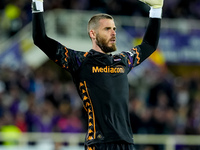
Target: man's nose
{"x": 113, "y": 32}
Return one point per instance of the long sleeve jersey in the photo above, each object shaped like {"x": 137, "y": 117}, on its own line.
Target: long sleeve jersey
{"x": 101, "y": 80}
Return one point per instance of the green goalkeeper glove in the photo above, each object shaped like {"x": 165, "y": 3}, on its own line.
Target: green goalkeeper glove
{"x": 154, "y": 3}
{"x": 37, "y": 6}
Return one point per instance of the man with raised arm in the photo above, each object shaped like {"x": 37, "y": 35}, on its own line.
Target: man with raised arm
{"x": 100, "y": 77}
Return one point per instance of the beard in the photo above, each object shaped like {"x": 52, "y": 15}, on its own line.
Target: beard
{"x": 103, "y": 44}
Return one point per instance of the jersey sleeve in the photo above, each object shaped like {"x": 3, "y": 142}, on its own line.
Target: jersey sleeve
{"x": 149, "y": 44}
{"x": 66, "y": 58}
{"x": 69, "y": 59}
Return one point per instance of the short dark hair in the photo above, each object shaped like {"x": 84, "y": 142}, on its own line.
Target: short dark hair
{"x": 94, "y": 21}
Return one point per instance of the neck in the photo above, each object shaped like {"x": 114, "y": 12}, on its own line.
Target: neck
{"x": 97, "y": 48}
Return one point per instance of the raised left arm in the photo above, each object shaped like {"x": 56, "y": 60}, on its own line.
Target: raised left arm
{"x": 151, "y": 38}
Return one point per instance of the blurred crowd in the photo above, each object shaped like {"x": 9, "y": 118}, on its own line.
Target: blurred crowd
{"x": 38, "y": 101}
{"x": 161, "y": 103}
{"x": 14, "y": 14}
{"x": 45, "y": 100}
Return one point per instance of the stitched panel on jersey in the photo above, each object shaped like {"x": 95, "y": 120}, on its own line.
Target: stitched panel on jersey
{"x": 87, "y": 104}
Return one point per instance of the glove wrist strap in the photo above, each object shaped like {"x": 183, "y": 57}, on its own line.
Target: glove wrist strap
{"x": 37, "y": 6}
{"x": 155, "y": 12}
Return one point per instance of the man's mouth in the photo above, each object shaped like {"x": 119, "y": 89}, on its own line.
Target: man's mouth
{"x": 112, "y": 40}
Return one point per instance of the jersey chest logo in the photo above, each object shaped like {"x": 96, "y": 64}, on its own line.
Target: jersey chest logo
{"x": 108, "y": 69}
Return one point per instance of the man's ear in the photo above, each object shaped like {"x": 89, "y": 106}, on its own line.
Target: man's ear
{"x": 92, "y": 34}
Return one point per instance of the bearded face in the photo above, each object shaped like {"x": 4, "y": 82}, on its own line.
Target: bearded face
{"x": 107, "y": 45}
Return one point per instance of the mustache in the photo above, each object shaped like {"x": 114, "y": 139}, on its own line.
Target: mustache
{"x": 113, "y": 38}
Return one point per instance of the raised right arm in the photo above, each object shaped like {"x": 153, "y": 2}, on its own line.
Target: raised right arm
{"x": 66, "y": 58}
{"x": 40, "y": 39}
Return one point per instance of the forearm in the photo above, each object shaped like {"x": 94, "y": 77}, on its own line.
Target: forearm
{"x": 39, "y": 33}
{"x": 40, "y": 39}
{"x": 151, "y": 37}
{"x": 153, "y": 30}
{"x": 152, "y": 33}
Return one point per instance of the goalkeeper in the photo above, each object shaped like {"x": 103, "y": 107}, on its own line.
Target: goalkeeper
{"x": 100, "y": 77}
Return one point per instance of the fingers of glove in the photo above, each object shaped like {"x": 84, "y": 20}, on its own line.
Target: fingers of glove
{"x": 154, "y": 3}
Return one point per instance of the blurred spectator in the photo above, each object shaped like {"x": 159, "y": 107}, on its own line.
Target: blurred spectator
{"x": 69, "y": 120}
{"x": 11, "y": 19}
{"x": 161, "y": 93}
{"x": 10, "y": 133}
{"x": 20, "y": 122}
